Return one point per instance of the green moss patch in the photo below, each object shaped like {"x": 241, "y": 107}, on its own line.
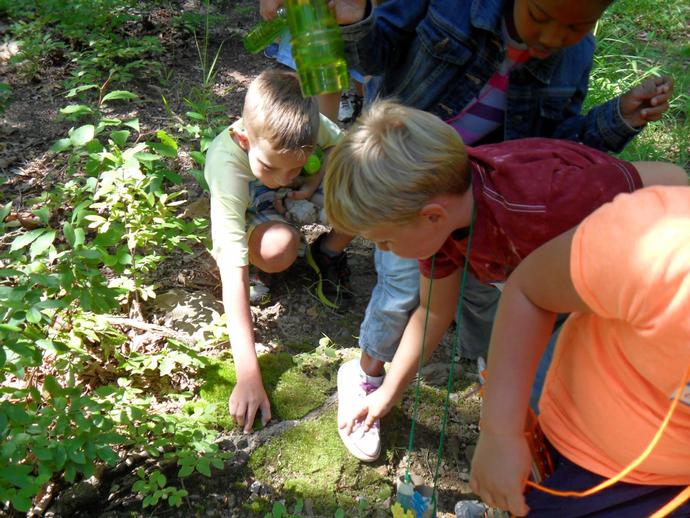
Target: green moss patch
{"x": 292, "y": 391}
{"x": 310, "y": 461}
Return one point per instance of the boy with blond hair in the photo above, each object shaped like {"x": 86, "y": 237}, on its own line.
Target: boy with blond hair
{"x": 520, "y": 194}
{"x": 246, "y": 163}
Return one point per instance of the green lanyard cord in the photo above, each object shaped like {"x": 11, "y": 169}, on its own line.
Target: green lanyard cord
{"x": 453, "y": 359}
{"x": 415, "y": 405}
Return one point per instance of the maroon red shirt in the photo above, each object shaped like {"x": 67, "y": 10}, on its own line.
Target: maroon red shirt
{"x": 527, "y": 192}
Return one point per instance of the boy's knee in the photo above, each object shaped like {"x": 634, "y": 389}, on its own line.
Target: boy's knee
{"x": 274, "y": 248}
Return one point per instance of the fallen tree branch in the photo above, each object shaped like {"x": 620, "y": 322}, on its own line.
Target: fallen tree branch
{"x": 152, "y": 328}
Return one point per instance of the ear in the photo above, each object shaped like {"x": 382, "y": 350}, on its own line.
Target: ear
{"x": 242, "y": 138}
{"x": 434, "y": 213}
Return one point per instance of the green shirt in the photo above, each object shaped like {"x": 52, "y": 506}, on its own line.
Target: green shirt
{"x": 228, "y": 175}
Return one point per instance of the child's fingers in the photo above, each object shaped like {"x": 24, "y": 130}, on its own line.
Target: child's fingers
{"x": 238, "y": 415}
{"x": 516, "y": 504}
{"x": 660, "y": 99}
{"x": 369, "y": 422}
{"x": 251, "y": 414}
{"x": 655, "y": 113}
{"x": 265, "y": 412}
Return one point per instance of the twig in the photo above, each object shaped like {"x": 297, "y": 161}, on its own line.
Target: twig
{"x": 153, "y": 328}
{"x": 43, "y": 499}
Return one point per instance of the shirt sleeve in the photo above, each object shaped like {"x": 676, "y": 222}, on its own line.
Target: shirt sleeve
{"x": 630, "y": 261}
{"x": 329, "y": 133}
{"x": 226, "y": 174}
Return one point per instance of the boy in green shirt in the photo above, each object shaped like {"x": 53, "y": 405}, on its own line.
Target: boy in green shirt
{"x": 245, "y": 166}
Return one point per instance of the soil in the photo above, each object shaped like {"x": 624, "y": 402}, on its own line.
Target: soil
{"x": 291, "y": 314}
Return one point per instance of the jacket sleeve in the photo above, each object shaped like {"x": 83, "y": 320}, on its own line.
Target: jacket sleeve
{"x": 381, "y": 40}
{"x": 602, "y": 127}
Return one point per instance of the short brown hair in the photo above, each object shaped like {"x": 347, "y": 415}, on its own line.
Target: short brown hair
{"x": 275, "y": 110}
{"x": 389, "y": 165}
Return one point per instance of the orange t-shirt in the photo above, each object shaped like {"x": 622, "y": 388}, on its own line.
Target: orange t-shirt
{"x": 616, "y": 370}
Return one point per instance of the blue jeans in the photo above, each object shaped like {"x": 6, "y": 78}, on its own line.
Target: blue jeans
{"x": 396, "y": 295}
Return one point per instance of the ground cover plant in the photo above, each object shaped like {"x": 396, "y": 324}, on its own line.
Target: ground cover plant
{"x": 114, "y": 363}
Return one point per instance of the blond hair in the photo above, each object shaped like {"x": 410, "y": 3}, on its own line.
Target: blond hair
{"x": 389, "y": 165}
{"x": 275, "y": 110}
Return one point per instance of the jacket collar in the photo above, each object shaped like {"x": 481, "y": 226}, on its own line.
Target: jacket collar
{"x": 487, "y": 15}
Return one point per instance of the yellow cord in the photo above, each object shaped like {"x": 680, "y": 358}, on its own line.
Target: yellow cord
{"x": 668, "y": 508}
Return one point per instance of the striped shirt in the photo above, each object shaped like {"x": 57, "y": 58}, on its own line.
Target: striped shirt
{"x": 487, "y": 111}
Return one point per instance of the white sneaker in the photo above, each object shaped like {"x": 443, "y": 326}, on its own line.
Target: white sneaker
{"x": 352, "y": 389}
{"x": 345, "y": 110}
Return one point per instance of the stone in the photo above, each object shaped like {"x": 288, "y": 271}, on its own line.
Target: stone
{"x": 187, "y": 311}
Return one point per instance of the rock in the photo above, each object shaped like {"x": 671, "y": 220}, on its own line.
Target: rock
{"x": 9, "y": 49}
{"x": 77, "y": 496}
{"x": 199, "y": 208}
{"x": 301, "y": 212}
{"x": 437, "y": 373}
{"x": 187, "y": 311}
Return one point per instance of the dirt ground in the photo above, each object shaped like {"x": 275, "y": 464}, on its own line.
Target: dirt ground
{"x": 291, "y": 315}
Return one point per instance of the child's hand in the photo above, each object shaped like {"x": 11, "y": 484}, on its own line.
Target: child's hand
{"x": 647, "y": 101}
{"x": 348, "y": 11}
{"x": 268, "y": 8}
{"x": 247, "y": 397}
{"x": 375, "y": 406}
{"x": 500, "y": 467}
{"x": 303, "y": 193}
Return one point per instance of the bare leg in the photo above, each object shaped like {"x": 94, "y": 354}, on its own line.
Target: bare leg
{"x": 328, "y": 105}
{"x": 371, "y": 366}
{"x": 273, "y": 246}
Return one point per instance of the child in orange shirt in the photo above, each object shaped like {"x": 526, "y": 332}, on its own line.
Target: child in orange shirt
{"x": 621, "y": 358}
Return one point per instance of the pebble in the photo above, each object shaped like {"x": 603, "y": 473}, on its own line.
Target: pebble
{"x": 255, "y": 487}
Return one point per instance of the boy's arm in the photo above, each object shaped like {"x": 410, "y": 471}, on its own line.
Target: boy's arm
{"x": 538, "y": 289}
{"x": 444, "y": 296}
{"x": 248, "y": 395}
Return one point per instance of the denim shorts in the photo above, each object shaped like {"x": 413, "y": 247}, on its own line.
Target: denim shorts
{"x": 396, "y": 295}
{"x": 262, "y": 210}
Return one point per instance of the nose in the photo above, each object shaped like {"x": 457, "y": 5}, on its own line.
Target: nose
{"x": 552, "y": 36}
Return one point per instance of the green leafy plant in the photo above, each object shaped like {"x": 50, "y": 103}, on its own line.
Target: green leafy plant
{"x": 154, "y": 488}
{"x": 5, "y": 96}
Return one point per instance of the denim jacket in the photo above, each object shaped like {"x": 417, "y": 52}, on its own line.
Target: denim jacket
{"x": 436, "y": 55}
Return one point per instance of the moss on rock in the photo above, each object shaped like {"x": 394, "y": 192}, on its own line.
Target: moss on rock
{"x": 292, "y": 392}
{"x": 311, "y": 462}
